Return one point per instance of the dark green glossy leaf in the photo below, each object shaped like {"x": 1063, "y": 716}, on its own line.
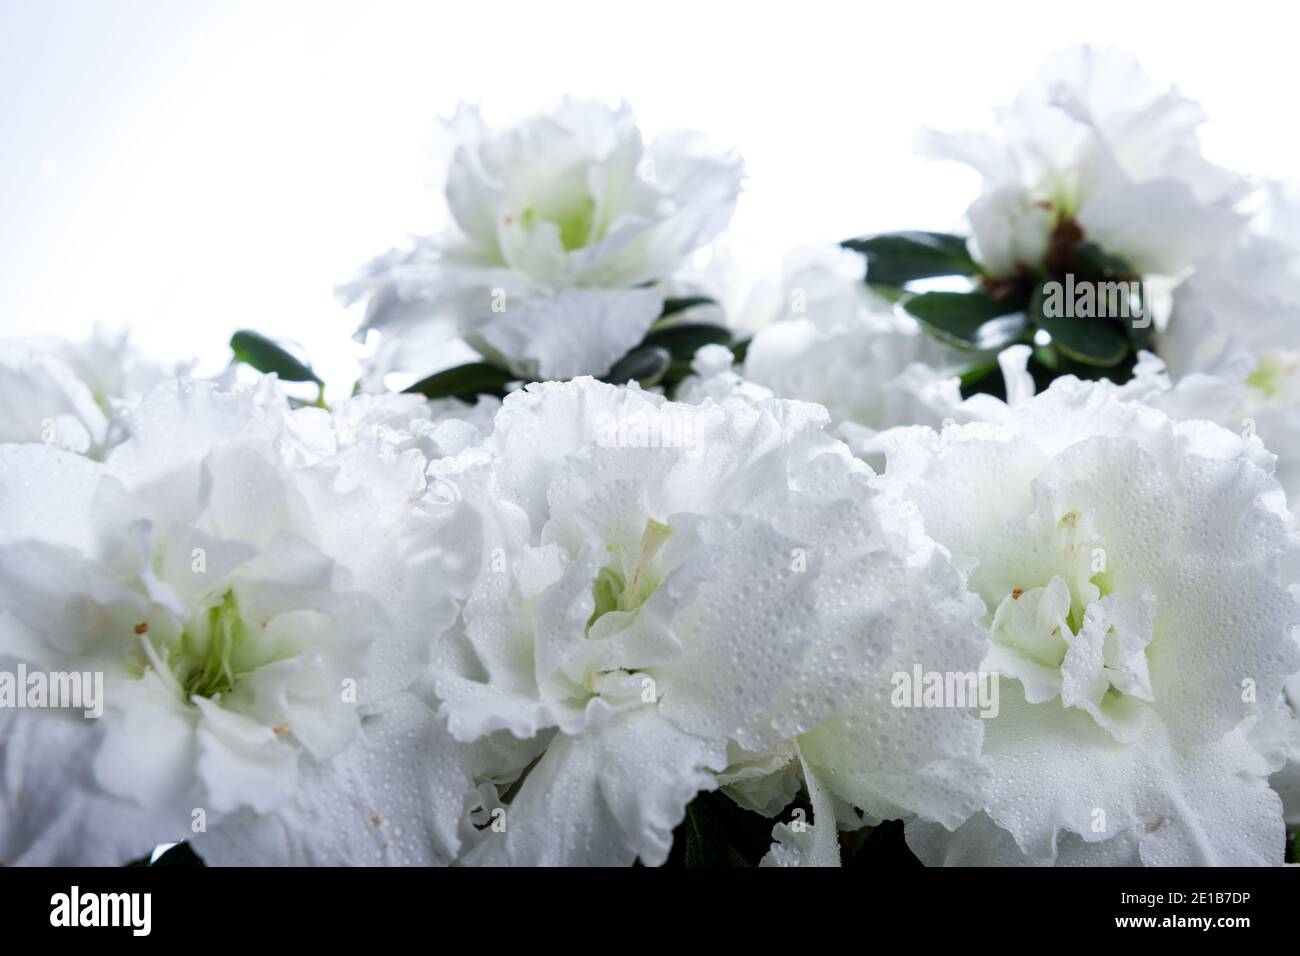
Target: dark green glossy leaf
{"x": 971, "y": 320}
{"x": 465, "y": 382}
{"x": 1099, "y": 342}
{"x": 1092, "y": 261}
{"x": 676, "y": 374}
{"x": 646, "y": 364}
{"x": 705, "y": 843}
{"x": 182, "y": 854}
{"x": 895, "y": 258}
{"x": 256, "y": 350}
{"x": 975, "y": 375}
{"x": 684, "y": 340}
{"x": 681, "y": 303}
{"x": 740, "y": 349}
{"x": 890, "y": 293}
{"x": 715, "y": 817}
{"x": 1141, "y": 336}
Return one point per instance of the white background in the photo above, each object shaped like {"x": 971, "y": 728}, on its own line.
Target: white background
{"x": 191, "y": 168}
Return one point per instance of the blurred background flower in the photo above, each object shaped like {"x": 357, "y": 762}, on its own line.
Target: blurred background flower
{"x": 189, "y": 169}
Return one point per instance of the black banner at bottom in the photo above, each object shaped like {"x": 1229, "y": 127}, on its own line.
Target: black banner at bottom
{"x": 239, "y": 906}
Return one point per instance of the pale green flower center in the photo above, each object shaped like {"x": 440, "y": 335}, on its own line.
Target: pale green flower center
{"x": 1086, "y": 576}
{"x": 573, "y": 218}
{"x": 1074, "y": 637}
{"x": 206, "y": 658}
{"x": 214, "y": 651}
{"x": 1274, "y": 373}
{"x": 628, "y": 581}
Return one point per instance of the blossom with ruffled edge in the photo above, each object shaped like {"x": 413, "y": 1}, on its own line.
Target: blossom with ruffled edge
{"x": 832, "y": 341}
{"x": 563, "y": 225}
{"x": 73, "y": 395}
{"x": 1233, "y": 343}
{"x": 1093, "y": 149}
{"x": 260, "y": 608}
{"x": 1130, "y": 570}
{"x": 665, "y": 589}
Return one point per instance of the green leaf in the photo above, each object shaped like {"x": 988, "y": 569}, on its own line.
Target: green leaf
{"x": 682, "y": 303}
{"x": 1092, "y": 261}
{"x": 971, "y": 320}
{"x": 890, "y": 293}
{"x": 974, "y": 375}
{"x": 254, "y": 349}
{"x": 718, "y": 832}
{"x": 182, "y": 854}
{"x": 1100, "y": 342}
{"x": 646, "y": 364}
{"x": 684, "y": 340}
{"x": 705, "y": 843}
{"x": 465, "y": 382}
{"x": 676, "y": 374}
{"x": 896, "y": 258}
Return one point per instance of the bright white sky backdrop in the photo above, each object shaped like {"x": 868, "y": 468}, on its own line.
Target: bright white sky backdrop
{"x": 189, "y": 168}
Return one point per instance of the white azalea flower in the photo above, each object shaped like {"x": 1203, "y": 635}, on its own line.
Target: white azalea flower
{"x": 1093, "y": 149}
{"x": 563, "y": 225}
{"x": 1150, "y": 382}
{"x": 714, "y": 376}
{"x": 1233, "y": 344}
{"x": 666, "y": 589}
{"x": 873, "y": 760}
{"x": 394, "y": 421}
{"x": 1129, "y": 568}
{"x": 1230, "y": 397}
{"x": 261, "y": 615}
{"x": 73, "y": 395}
{"x": 834, "y": 342}
{"x": 1277, "y": 736}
